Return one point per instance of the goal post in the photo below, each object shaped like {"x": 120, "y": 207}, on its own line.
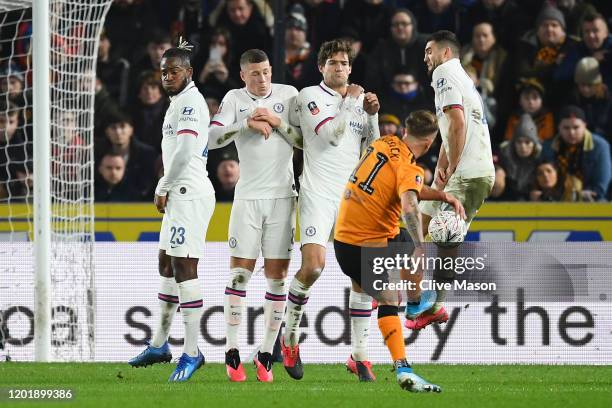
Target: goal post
{"x": 47, "y": 292}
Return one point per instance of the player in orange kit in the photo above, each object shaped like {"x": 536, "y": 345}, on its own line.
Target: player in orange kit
{"x": 387, "y": 184}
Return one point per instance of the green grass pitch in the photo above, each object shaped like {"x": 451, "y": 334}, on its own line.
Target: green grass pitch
{"x": 120, "y": 386}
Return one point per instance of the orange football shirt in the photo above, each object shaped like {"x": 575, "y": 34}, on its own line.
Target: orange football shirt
{"x": 371, "y": 208}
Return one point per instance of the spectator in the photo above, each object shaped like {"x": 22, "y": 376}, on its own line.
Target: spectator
{"x": 69, "y": 152}
{"x": 139, "y": 158}
{"x": 12, "y": 84}
{"x": 404, "y": 49}
{"x": 112, "y": 184}
{"x": 593, "y": 97}
{"x": 369, "y": 19}
{"x": 105, "y": 107}
{"x": 297, "y": 49}
{"x": 158, "y": 43}
{"x": 405, "y": 95}
{"x": 247, "y": 29}
{"x": 542, "y": 50}
{"x": 213, "y": 101}
{"x": 228, "y": 173}
{"x": 112, "y": 70}
{"x": 581, "y": 154}
{"x": 518, "y": 158}
{"x": 488, "y": 60}
{"x": 149, "y": 110}
{"x": 388, "y": 124}
{"x": 597, "y": 43}
{"x": 322, "y": 17}
{"x": 509, "y": 19}
{"x": 498, "y": 191}
{"x": 15, "y": 152}
{"x": 574, "y": 12}
{"x": 549, "y": 185}
{"x": 531, "y": 101}
{"x": 215, "y": 76}
{"x": 435, "y": 15}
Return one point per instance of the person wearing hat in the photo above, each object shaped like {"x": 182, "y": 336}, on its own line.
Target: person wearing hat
{"x": 139, "y": 157}
{"x": 297, "y": 49}
{"x": 228, "y": 173}
{"x": 541, "y": 50}
{"x": 519, "y": 157}
{"x": 388, "y": 124}
{"x": 593, "y": 97}
{"x": 581, "y": 154}
{"x": 531, "y": 101}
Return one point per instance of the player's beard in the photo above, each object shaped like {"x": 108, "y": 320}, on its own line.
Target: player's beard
{"x": 181, "y": 88}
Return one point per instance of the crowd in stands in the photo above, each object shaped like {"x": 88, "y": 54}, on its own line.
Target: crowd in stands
{"x": 542, "y": 67}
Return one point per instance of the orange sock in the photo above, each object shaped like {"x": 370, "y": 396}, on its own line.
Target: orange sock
{"x": 391, "y": 329}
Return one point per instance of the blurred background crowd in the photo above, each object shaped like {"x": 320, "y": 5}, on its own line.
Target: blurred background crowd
{"x": 542, "y": 67}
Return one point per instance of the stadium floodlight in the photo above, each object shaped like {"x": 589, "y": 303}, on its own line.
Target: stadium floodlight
{"x": 48, "y": 52}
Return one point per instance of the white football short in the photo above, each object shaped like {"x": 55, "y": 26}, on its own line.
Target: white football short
{"x": 472, "y": 193}
{"x": 317, "y": 218}
{"x": 183, "y": 230}
{"x": 266, "y": 225}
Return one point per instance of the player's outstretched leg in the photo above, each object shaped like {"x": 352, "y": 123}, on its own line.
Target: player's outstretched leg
{"x": 391, "y": 330}
{"x": 360, "y": 309}
{"x": 233, "y": 307}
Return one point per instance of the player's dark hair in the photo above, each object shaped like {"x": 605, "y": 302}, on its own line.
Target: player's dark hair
{"x": 182, "y": 54}
{"x": 447, "y": 38}
{"x": 421, "y": 123}
{"x": 253, "y": 56}
{"x": 329, "y": 48}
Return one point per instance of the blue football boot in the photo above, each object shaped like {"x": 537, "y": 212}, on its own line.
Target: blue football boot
{"x": 186, "y": 367}
{"x": 428, "y": 298}
{"x": 409, "y": 381}
{"x": 152, "y": 355}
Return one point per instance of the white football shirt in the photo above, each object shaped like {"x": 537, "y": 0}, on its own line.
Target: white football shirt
{"x": 327, "y": 167}
{"x": 454, "y": 88}
{"x": 187, "y": 116}
{"x": 266, "y": 166}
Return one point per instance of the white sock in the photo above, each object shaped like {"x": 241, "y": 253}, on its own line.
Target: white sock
{"x": 190, "y": 295}
{"x": 168, "y": 303}
{"x": 298, "y": 297}
{"x": 233, "y": 305}
{"x": 274, "y": 309}
{"x": 360, "y": 309}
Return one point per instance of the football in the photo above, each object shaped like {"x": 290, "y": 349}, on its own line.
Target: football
{"x": 446, "y": 229}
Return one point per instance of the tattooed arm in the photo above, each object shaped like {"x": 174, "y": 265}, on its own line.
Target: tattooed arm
{"x": 412, "y": 217}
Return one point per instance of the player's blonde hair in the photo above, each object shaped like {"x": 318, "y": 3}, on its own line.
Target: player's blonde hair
{"x": 421, "y": 123}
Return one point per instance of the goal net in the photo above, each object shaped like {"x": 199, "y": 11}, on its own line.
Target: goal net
{"x": 74, "y": 29}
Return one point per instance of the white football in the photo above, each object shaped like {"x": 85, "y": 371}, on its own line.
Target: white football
{"x": 446, "y": 229}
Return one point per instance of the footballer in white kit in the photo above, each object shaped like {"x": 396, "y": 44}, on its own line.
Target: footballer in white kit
{"x": 465, "y": 164}
{"x": 256, "y": 119}
{"x": 337, "y": 120}
{"x": 186, "y": 198}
